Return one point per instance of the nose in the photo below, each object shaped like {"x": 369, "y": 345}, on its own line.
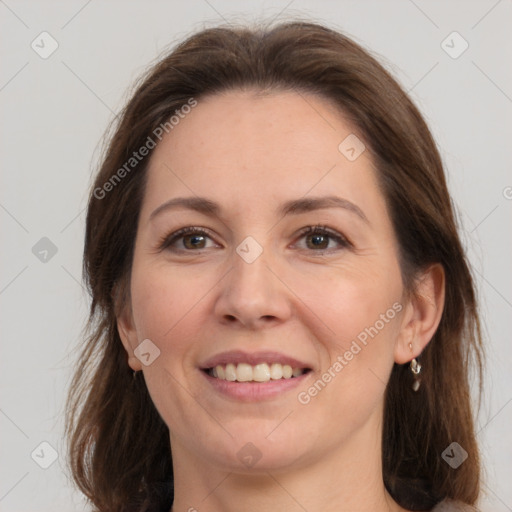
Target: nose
{"x": 253, "y": 295}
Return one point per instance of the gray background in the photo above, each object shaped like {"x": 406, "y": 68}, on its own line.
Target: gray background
{"x": 55, "y": 110}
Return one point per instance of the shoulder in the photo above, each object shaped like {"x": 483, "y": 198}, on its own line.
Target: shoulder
{"x": 454, "y": 506}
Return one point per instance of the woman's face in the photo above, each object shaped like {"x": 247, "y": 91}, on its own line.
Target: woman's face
{"x": 253, "y": 294}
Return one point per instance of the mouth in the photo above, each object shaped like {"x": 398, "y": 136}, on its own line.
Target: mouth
{"x": 244, "y": 376}
{"x": 262, "y": 372}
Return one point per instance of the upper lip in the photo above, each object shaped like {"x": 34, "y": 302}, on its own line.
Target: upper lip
{"x": 252, "y": 358}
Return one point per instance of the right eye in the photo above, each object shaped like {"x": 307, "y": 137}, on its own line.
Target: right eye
{"x": 190, "y": 238}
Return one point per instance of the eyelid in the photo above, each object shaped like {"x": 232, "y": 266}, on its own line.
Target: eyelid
{"x": 342, "y": 240}
{"x": 171, "y": 238}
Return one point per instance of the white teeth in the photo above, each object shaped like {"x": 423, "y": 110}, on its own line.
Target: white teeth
{"x": 262, "y": 372}
{"x": 219, "y": 372}
{"x": 244, "y": 372}
{"x": 230, "y": 372}
{"x": 276, "y": 371}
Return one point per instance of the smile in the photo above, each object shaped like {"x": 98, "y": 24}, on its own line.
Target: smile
{"x": 254, "y": 376}
{"x": 262, "y": 372}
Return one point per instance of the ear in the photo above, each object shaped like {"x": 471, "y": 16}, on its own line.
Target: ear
{"x": 128, "y": 333}
{"x": 422, "y": 314}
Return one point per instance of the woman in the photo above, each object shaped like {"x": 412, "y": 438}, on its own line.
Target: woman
{"x": 280, "y": 298}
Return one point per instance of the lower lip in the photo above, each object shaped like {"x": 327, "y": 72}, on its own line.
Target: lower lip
{"x": 254, "y": 391}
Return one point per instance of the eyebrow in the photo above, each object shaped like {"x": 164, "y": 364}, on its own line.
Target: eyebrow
{"x": 294, "y": 206}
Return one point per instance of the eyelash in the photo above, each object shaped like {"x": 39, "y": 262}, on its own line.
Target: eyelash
{"x": 318, "y": 229}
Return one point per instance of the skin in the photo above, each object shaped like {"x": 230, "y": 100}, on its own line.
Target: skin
{"x": 250, "y": 152}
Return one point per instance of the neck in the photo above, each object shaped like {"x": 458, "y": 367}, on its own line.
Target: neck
{"x": 345, "y": 478}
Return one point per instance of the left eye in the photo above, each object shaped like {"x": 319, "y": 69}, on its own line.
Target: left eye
{"x": 320, "y": 236}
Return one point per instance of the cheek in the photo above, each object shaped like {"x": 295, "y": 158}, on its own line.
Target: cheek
{"x": 162, "y": 300}
{"x": 359, "y": 358}
{"x": 165, "y": 308}
{"x": 349, "y": 300}
{"x": 359, "y": 316}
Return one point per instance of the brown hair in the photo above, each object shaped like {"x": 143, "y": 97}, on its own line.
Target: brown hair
{"x": 119, "y": 448}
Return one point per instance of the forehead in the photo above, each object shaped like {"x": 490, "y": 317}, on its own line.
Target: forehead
{"x": 243, "y": 146}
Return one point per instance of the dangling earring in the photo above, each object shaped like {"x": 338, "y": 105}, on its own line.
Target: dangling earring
{"x": 415, "y": 369}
